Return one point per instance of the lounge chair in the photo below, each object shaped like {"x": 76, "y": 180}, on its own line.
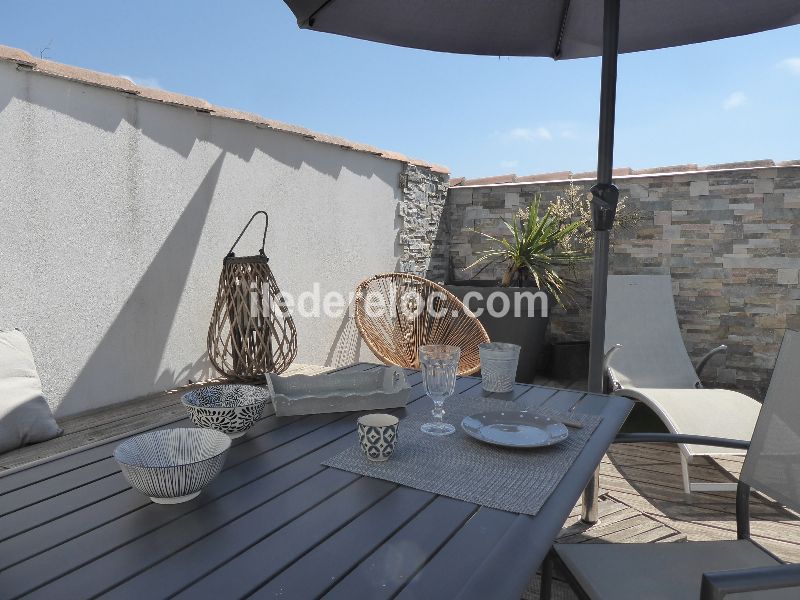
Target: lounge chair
{"x": 653, "y": 367}
{"x": 708, "y": 570}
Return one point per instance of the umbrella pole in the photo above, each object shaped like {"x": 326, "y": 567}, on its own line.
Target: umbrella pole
{"x": 604, "y": 205}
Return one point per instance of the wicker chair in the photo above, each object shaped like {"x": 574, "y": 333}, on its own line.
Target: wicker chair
{"x": 392, "y": 318}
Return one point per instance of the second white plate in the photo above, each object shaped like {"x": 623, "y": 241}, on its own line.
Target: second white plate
{"x": 514, "y": 429}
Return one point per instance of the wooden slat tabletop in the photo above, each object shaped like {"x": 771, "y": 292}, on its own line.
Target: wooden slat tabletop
{"x": 278, "y": 524}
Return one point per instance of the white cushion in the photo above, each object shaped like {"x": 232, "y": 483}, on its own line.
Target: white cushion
{"x": 25, "y": 417}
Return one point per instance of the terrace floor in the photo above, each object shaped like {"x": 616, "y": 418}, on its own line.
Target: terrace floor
{"x": 642, "y": 497}
{"x": 120, "y": 420}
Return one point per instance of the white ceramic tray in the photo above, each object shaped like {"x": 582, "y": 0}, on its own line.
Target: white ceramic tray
{"x": 381, "y": 388}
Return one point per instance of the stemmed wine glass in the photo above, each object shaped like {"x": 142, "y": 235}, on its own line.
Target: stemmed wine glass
{"x": 439, "y": 366}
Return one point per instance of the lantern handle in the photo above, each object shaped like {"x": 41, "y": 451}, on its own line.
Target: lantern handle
{"x": 263, "y": 239}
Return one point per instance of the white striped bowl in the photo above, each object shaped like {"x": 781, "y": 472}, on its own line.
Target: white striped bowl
{"x": 231, "y": 409}
{"x": 172, "y": 465}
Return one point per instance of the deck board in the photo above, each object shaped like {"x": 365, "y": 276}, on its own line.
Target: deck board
{"x": 112, "y": 422}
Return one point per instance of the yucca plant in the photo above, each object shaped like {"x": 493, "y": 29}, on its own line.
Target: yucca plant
{"x": 539, "y": 245}
{"x": 575, "y": 205}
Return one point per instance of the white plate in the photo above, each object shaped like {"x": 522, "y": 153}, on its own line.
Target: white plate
{"x": 514, "y": 429}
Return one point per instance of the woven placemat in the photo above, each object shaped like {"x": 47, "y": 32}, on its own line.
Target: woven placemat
{"x": 458, "y": 466}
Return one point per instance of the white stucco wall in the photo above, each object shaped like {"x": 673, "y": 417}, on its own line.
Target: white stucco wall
{"x": 115, "y": 214}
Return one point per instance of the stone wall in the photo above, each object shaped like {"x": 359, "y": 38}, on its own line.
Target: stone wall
{"x": 728, "y": 237}
{"x": 423, "y": 243}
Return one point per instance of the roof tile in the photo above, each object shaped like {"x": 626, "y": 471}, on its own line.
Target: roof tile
{"x": 122, "y": 84}
{"x": 666, "y": 169}
{"x": 747, "y": 164}
{"x": 622, "y": 172}
{"x": 556, "y": 176}
{"x": 510, "y": 178}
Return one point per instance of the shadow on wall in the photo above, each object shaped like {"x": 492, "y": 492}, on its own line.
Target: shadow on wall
{"x": 129, "y": 354}
{"x": 178, "y": 128}
{"x": 346, "y": 347}
{"x": 199, "y": 370}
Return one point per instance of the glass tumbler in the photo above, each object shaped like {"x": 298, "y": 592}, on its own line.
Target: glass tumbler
{"x": 498, "y": 366}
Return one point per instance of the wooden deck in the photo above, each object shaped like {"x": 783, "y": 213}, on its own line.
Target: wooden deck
{"x": 642, "y": 500}
{"x": 647, "y": 478}
{"x": 115, "y": 422}
{"x": 642, "y": 497}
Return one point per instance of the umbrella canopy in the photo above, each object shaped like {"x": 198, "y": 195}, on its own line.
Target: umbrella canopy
{"x": 555, "y": 28}
{"x": 559, "y": 29}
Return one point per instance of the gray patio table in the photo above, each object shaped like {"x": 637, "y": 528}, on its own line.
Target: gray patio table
{"x": 278, "y": 524}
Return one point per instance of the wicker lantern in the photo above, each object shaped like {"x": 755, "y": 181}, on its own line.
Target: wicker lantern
{"x": 251, "y": 331}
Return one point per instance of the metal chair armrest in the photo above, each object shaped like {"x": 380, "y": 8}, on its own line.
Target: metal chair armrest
{"x": 679, "y": 438}
{"x": 718, "y": 584}
{"x": 708, "y": 356}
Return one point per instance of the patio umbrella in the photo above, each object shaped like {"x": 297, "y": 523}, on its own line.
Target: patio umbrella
{"x": 560, "y": 29}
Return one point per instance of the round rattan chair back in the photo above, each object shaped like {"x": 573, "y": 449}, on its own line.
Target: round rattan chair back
{"x": 396, "y": 313}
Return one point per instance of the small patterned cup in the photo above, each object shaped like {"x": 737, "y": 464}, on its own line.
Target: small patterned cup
{"x": 378, "y": 435}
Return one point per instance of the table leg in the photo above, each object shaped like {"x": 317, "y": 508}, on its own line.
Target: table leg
{"x": 589, "y": 510}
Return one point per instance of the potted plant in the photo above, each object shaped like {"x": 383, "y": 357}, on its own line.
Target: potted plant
{"x": 535, "y": 259}
{"x": 569, "y": 358}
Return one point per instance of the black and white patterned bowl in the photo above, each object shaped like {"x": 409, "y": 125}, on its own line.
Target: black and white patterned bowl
{"x": 377, "y": 434}
{"x": 231, "y": 409}
{"x": 172, "y": 465}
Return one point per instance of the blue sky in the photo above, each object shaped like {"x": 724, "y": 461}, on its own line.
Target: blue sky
{"x": 723, "y": 101}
